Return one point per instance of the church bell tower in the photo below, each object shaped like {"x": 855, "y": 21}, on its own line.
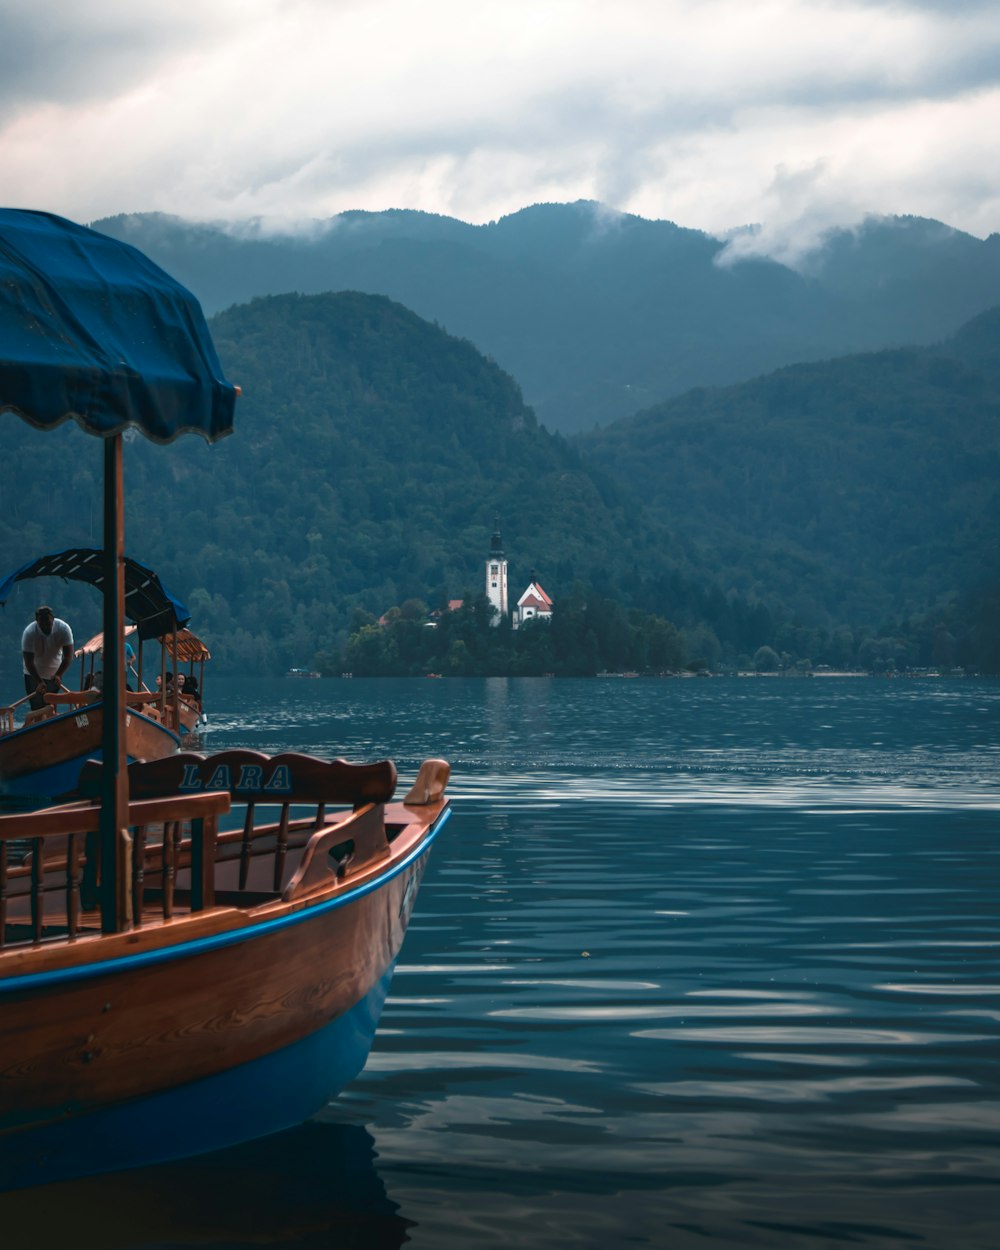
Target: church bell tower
{"x": 496, "y": 575}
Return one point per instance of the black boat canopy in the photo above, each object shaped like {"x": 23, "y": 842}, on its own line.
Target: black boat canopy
{"x": 148, "y": 603}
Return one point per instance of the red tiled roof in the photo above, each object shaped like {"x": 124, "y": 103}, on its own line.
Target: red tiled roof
{"x": 535, "y": 597}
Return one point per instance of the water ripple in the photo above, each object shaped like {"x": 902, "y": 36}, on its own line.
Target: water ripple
{"x": 709, "y": 963}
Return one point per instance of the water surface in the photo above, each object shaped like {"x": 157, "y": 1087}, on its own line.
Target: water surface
{"x": 696, "y": 963}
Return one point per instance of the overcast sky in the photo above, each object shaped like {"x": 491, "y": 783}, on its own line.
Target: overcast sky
{"x": 795, "y": 114}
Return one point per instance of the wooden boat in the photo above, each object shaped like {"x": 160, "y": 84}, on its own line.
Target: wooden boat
{"x": 178, "y": 706}
{"x": 188, "y": 709}
{"x": 42, "y": 759}
{"x": 245, "y": 992}
{"x": 167, "y": 984}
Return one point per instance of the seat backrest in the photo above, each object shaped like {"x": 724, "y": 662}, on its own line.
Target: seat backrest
{"x": 252, "y": 777}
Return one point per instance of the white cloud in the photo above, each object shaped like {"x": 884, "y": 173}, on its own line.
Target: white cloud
{"x": 932, "y": 159}
{"x": 794, "y": 113}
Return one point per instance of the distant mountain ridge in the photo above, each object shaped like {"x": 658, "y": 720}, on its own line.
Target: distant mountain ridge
{"x": 598, "y": 314}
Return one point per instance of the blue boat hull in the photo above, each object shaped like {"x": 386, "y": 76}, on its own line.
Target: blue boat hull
{"x": 200, "y": 1035}
{"x": 276, "y": 1092}
{"x": 44, "y": 760}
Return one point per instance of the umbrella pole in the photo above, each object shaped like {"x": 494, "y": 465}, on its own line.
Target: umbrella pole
{"x": 115, "y": 874}
{"x": 176, "y": 685}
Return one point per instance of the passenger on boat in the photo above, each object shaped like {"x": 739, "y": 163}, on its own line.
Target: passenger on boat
{"x": 129, "y": 665}
{"x": 98, "y": 676}
{"x": 47, "y": 651}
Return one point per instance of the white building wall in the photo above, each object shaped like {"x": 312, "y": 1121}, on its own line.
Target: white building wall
{"x": 496, "y": 587}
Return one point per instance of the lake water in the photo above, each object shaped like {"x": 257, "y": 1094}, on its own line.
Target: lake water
{"x": 696, "y": 963}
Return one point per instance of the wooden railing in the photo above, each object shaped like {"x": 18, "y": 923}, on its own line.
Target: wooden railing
{"x": 177, "y": 858}
{"x": 56, "y": 869}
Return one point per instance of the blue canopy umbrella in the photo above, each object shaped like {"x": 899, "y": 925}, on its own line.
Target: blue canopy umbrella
{"x": 92, "y": 331}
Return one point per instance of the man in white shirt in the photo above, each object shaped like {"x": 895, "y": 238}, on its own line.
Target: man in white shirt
{"x": 47, "y": 650}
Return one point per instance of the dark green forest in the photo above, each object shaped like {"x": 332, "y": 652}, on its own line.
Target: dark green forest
{"x": 373, "y": 450}
{"x": 863, "y": 488}
{"x": 371, "y": 454}
{"x": 588, "y": 634}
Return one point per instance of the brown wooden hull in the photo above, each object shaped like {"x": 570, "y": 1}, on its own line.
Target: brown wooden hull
{"x": 236, "y": 985}
{"x": 130, "y": 1033}
{"x": 204, "y": 994}
{"x": 45, "y": 759}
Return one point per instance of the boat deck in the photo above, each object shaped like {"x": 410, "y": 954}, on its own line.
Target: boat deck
{"x": 159, "y": 905}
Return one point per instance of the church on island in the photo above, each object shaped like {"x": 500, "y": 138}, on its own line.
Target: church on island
{"x": 534, "y": 603}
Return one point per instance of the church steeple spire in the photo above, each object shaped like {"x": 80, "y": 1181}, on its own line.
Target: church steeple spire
{"x": 496, "y": 545}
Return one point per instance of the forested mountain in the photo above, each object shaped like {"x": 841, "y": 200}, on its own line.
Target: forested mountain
{"x": 821, "y": 512}
{"x": 596, "y": 313}
{"x": 856, "y": 489}
{"x": 371, "y": 454}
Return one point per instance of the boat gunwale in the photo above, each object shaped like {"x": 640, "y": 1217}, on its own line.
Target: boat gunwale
{"x": 299, "y": 911}
{"x": 83, "y": 708}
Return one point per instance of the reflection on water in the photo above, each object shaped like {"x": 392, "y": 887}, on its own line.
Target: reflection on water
{"x": 696, "y": 963}
{"x": 313, "y": 1187}
{"x": 855, "y": 742}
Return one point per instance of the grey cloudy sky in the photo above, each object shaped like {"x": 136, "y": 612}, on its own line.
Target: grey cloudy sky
{"x": 795, "y": 114}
